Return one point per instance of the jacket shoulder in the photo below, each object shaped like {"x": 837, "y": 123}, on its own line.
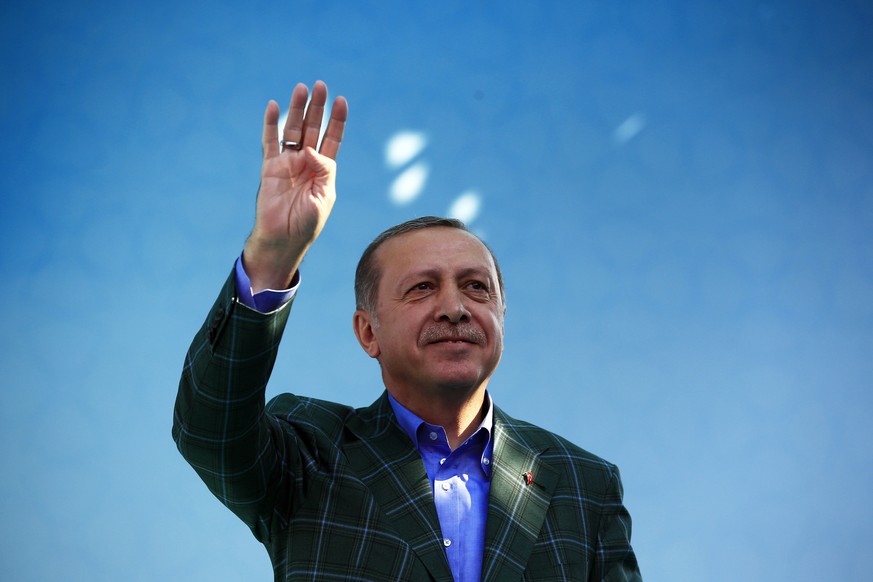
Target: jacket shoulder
{"x": 328, "y": 419}
{"x": 310, "y": 414}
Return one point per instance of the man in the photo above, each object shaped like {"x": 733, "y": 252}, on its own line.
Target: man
{"x": 432, "y": 481}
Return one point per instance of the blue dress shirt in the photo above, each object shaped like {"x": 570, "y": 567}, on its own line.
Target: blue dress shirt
{"x": 460, "y": 479}
{"x": 263, "y": 301}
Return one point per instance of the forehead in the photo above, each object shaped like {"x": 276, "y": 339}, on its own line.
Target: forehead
{"x": 436, "y": 247}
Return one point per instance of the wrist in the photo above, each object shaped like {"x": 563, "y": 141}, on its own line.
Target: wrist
{"x": 271, "y": 264}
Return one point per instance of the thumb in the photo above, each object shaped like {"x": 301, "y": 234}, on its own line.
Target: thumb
{"x": 321, "y": 166}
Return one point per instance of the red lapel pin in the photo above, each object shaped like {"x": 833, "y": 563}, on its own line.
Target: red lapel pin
{"x": 528, "y": 478}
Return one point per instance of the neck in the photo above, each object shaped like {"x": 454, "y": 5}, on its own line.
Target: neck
{"x": 459, "y": 419}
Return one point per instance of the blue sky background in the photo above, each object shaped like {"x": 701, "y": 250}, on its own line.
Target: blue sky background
{"x": 680, "y": 194}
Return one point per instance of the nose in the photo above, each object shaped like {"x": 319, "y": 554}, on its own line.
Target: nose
{"x": 451, "y": 307}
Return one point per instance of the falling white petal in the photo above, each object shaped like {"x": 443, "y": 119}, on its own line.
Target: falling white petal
{"x": 629, "y": 128}
{"x": 466, "y": 207}
{"x": 409, "y": 184}
{"x": 403, "y": 146}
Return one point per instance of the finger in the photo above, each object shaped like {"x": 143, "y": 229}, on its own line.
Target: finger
{"x": 293, "y": 130}
{"x": 314, "y": 114}
{"x": 270, "y": 139}
{"x": 333, "y": 136}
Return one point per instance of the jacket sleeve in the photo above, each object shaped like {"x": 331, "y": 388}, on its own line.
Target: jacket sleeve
{"x": 614, "y": 559}
{"x": 220, "y": 425}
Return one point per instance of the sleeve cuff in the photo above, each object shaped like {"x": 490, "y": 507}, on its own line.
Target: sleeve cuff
{"x": 264, "y": 301}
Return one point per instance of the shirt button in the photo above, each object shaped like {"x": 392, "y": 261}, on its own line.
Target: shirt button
{"x": 486, "y": 462}
{"x": 433, "y": 436}
{"x": 447, "y": 542}
{"x": 442, "y": 461}
{"x": 465, "y": 477}
{"x": 446, "y": 486}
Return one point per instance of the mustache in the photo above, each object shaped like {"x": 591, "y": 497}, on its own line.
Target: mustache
{"x": 448, "y": 332}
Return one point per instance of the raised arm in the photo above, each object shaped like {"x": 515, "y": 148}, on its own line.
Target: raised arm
{"x": 248, "y": 458}
{"x": 298, "y": 186}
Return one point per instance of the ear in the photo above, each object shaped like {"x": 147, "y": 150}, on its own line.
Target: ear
{"x": 365, "y": 331}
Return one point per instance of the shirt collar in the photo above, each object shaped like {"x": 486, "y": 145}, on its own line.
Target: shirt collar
{"x": 410, "y": 422}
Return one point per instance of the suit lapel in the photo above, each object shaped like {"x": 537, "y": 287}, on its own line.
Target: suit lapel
{"x": 387, "y": 462}
{"x": 516, "y": 509}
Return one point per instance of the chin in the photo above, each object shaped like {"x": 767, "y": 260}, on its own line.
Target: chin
{"x": 460, "y": 382}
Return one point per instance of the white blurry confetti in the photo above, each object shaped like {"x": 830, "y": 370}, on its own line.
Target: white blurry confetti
{"x": 466, "y": 207}
{"x": 409, "y": 184}
{"x": 629, "y": 128}
{"x": 403, "y": 146}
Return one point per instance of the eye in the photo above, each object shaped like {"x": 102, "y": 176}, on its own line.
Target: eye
{"x": 478, "y": 286}
{"x": 423, "y": 286}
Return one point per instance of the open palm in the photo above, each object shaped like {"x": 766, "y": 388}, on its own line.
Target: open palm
{"x": 298, "y": 185}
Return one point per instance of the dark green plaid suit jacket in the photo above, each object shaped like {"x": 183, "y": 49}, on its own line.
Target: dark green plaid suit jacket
{"x": 336, "y": 493}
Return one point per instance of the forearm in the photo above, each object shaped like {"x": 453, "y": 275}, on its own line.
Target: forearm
{"x": 219, "y": 424}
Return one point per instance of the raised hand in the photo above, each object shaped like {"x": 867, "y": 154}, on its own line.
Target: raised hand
{"x": 298, "y": 186}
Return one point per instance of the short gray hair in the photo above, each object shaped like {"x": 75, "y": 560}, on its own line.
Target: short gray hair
{"x": 368, "y": 275}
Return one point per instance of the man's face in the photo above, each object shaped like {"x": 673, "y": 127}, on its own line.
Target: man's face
{"x": 439, "y": 313}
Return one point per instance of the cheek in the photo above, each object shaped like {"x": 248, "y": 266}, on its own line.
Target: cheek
{"x": 396, "y": 333}
{"x": 496, "y": 319}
